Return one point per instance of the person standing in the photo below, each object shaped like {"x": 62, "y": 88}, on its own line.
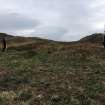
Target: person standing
{"x": 3, "y": 44}
{"x": 104, "y": 37}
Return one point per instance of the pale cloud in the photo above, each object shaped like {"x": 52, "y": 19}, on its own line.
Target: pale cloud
{"x": 50, "y": 32}
{"x": 14, "y": 22}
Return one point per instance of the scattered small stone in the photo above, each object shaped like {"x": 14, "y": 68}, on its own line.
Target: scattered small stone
{"x": 40, "y": 96}
{"x": 55, "y": 98}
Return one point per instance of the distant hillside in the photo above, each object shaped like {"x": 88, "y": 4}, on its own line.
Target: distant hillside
{"x": 94, "y": 38}
{"x": 20, "y": 41}
{"x": 5, "y": 35}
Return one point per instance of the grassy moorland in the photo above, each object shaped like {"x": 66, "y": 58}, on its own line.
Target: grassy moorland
{"x": 41, "y": 72}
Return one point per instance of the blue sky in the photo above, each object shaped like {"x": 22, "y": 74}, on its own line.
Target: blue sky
{"x": 62, "y": 20}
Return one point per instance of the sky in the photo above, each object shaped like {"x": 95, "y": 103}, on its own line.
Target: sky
{"x": 60, "y": 20}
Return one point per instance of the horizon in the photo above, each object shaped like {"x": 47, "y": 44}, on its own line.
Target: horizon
{"x": 59, "y": 20}
{"x": 25, "y": 36}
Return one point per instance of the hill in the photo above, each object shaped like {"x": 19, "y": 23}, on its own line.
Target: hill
{"x": 20, "y": 41}
{"x": 94, "y": 38}
{"x": 5, "y": 35}
{"x": 42, "y": 72}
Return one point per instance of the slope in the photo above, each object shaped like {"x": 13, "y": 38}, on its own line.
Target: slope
{"x": 52, "y": 73}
